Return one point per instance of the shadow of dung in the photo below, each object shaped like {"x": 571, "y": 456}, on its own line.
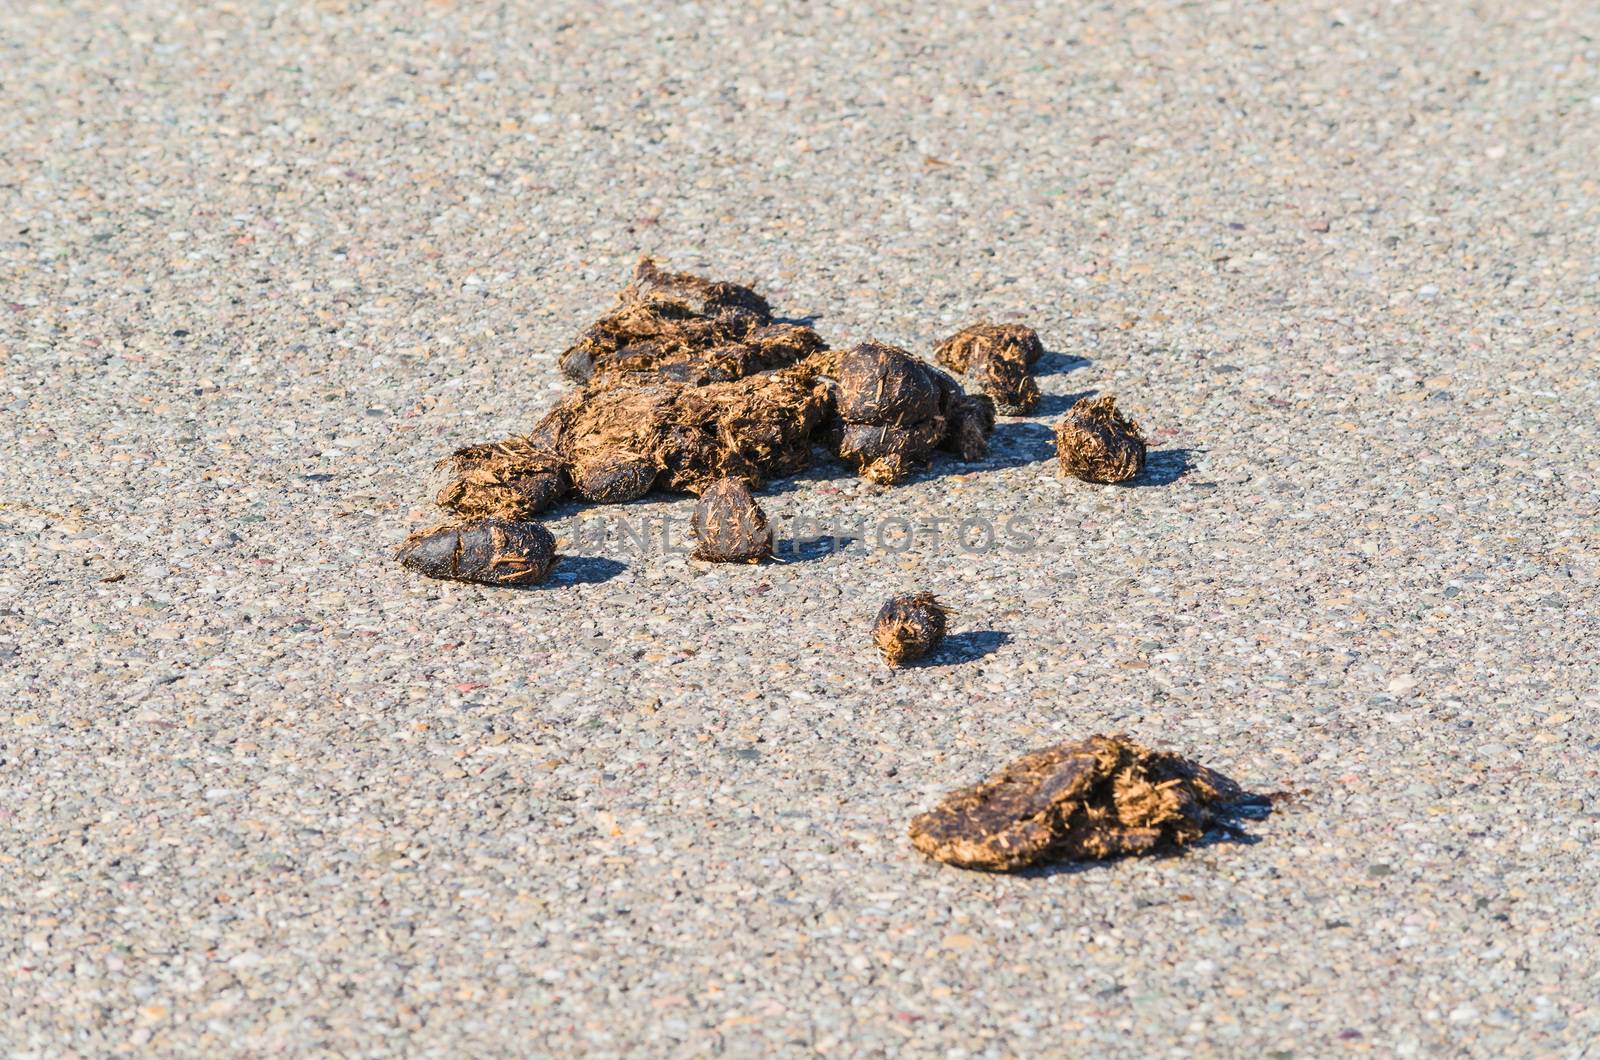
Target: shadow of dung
{"x": 804, "y": 550}
{"x": 1162, "y": 468}
{"x": 824, "y": 467}
{"x": 1226, "y": 827}
{"x": 1012, "y": 444}
{"x": 1057, "y": 404}
{"x": 586, "y": 570}
{"x": 1053, "y": 363}
{"x": 967, "y": 647}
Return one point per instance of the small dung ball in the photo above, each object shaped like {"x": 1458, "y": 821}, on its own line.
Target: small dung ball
{"x": 909, "y": 627}
{"x": 484, "y": 551}
{"x": 1096, "y": 443}
{"x": 1007, "y": 380}
{"x": 729, "y": 525}
{"x": 971, "y": 421}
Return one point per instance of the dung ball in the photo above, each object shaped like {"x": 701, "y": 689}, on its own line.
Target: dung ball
{"x": 909, "y": 627}
{"x": 729, "y": 525}
{"x": 484, "y": 551}
{"x": 1096, "y": 443}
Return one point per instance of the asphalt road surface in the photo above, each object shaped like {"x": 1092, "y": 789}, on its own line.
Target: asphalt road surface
{"x": 265, "y": 793}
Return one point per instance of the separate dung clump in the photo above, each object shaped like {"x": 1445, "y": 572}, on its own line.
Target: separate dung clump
{"x": 971, "y": 423}
{"x": 1096, "y": 443}
{"x": 485, "y": 551}
{"x": 998, "y": 359}
{"x": 909, "y": 627}
{"x": 614, "y": 477}
{"x": 729, "y": 526}
{"x": 893, "y": 411}
{"x": 1097, "y": 798}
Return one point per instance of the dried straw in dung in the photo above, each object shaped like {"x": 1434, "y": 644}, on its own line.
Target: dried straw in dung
{"x": 754, "y": 429}
{"x": 765, "y": 348}
{"x": 997, "y": 359}
{"x": 511, "y": 479}
{"x": 729, "y": 525}
{"x": 909, "y": 627}
{"x": 664, "y": 317}
{"x": 1097, "y": 798}
{"x": 1097, "y": 443}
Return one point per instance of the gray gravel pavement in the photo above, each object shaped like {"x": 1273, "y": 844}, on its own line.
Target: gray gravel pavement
{"x": 265, "y": 793}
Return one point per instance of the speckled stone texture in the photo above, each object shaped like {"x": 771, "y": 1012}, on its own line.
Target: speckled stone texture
{"x": 264, "y": 791}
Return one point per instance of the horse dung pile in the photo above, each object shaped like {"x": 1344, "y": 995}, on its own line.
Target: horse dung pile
{"x": 690, "y": 385}
{"x": 687, "y": 383}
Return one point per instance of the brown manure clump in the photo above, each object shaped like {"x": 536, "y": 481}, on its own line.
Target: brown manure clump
{"x": 614, "y": 477}
{"x": 686, "y": 382}
{"x": 765, "y": 348}
{"x": 1096, "y": 443}
{"x": 909, "y": 627}
{"x": 971, "y": 423}
{"x": 511, "y": 479}
{"x": 1097, "y": 798}
{"x": 699, "y": 294}
{"x": 729, "y": 526}
{"x": 893, "y": 411}
{"x": 997, "y": 359}
{"x": 682, "y": 438}
{"x": 485, "y": 551}
{"x": 684, "y": 328}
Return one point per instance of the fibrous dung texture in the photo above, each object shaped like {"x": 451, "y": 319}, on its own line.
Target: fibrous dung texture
{"x": 909, "y": 627}
{"x": 765, "y": 348}
{"x": 729, "y": 526}
{"x": 511, "y": 479}
{"x": 665, "y": 322}
{"x": 996, "y": 358}
{"x": 1097, "y": 443}
{"x": 1096, "y": 798}
{"x": 689, "y": 436}
{"x": 696, "y": 292}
